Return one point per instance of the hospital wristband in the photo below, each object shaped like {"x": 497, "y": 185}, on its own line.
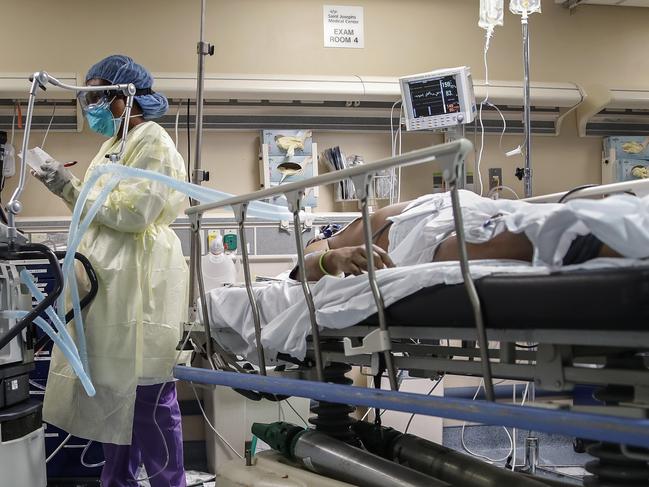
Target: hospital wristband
{"x": 321, "y": 263}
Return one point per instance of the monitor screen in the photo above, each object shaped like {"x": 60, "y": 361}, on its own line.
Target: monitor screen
{"x": 434, "y": 97}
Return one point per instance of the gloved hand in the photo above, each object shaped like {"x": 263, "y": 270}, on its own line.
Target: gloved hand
{"x": 54, "y": 176}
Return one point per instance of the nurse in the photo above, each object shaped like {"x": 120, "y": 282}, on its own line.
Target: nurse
{"x": 134, "y": 324}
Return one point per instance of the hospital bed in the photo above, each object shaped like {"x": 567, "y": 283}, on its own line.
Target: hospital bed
{"x": 557, "y": 330}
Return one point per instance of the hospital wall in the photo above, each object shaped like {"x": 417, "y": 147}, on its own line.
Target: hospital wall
{"x": 604, "y": 45}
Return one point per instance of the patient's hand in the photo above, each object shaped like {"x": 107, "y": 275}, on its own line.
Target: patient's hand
{"x": 353, "y": 260}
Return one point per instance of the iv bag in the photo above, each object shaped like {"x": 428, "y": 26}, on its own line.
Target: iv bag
{"x": 491, "y": 13}
{"x": 519, "y": 7}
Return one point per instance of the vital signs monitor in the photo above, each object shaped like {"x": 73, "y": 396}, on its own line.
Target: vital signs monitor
{"x": 438, "y": 99}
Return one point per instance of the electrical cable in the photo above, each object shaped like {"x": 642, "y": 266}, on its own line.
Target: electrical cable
{"x": 83, "y": 456}
{"x": 180, "y": 105}
{"x": 296, "y": 412}
{"x": 48, "y": 126}
{"x": 412, "y": 416}
{"x": 527, "y": 388}
{"x": 13, "y": 124}
{"x": 574, "y": 190}
{"x": 393, "y": 140}
{"x": 36, "y": 385}
{"x": 482, "y": 103}
{"x": 58, "y": 448}
{"x": 500, "y": 188}
{"x": 155, "y": 409}
{"x": 479, "y": 455}
{"x": 189, "y": 144}
{"x": 212, "y": 427}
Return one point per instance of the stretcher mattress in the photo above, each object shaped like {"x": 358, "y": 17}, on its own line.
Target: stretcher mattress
{"x": 601, "y": 299}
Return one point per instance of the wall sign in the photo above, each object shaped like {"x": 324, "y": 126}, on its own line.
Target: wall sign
{"x": 343, "y": 26}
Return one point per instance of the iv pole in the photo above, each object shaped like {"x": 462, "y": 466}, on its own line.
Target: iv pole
{"x": 524, "y": 8}
{"x": 198, "y": 176}
{"x": 527, "y": 171}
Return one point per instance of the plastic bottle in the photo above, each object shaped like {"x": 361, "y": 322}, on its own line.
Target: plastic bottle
{"x": 218, "y": 267}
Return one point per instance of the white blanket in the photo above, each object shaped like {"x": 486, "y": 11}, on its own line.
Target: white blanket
{"x": 620, "y": 221}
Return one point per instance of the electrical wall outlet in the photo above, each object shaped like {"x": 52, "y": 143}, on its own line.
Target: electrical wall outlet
{"x": 495, "y": 177}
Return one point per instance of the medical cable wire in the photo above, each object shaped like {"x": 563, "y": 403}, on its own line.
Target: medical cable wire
{"x": 13, "y": 124}
{"x": 212, "y": 427}
{"x": 395, "y": 187}
{"x": 83, "y": 456}
{"x": 189, "y": 144}
{"x": 495, "y": 189}
{"x": 36, "y": 385}
{"x": 486, "y": 99}
{"x": 412, "y": 416}
{"x": 295, "y": 411}
{"x": 180, "y": 105}
{"x": 575, "y": 190}
{"x": 155, "y": 410}
{"x": 479, "y": 455}
{"x": 49, "y": 126}
{"x": 527, "y": 388}
{"x": 58, "y": 448}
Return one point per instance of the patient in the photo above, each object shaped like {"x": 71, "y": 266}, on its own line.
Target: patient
{"x": 344, "y": 252}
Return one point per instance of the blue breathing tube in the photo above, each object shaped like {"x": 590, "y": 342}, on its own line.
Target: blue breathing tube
{"x": 61, "y": 339}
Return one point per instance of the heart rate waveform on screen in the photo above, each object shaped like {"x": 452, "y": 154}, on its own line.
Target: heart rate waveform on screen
{"x": 435, "y": 97}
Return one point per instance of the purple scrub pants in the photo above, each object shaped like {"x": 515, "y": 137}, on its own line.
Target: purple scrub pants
{"x": 146, "y": 446}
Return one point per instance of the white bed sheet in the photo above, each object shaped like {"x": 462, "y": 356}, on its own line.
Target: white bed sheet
{"x": 342, "y": 303}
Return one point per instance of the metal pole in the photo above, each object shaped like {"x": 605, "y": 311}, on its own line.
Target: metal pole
{"x": 362, "y": 185}
{"x": 198, "y": 265}
{"x": 295, "y": 203}
{"x": 602, "y": 427}
{"x": 473, "y": 296}
{"x": 527, "y": 176}
{"x": 240, "y": 215}
{"x": 198, "y": 176}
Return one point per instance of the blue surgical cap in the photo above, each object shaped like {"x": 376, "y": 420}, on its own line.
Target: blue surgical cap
{"x": 118, "y": 69}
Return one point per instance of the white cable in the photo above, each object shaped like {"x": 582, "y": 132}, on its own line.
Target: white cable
{"x": 399, "y": 132}
{"x": 514, "y": 431}
{"x": 527, "y": 388}
{"x": 478, "y": 455}
{"x": 501, "y": 187}
{"x": 58, "y": 448}
{"x": 36, "y": 385}
{"x": 48, "y": 126}
{"x": 83, "y": 455}
{"x": 155, "y": 409}
{"x": 180, "y": 105}
{"x": 486, "y": 100}
{"x": 212, "y": 427}
{"x": 13, "y": 124}
{"x": 393, "y": 142}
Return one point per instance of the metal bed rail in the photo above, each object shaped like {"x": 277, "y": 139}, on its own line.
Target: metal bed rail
{"x": 638, "y": 187}
{"x": 451, "y": 158}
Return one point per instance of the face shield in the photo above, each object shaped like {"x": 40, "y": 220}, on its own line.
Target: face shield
{"x": 92, "y": 100}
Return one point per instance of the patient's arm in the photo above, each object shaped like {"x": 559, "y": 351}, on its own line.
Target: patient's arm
{"x": 345, "y": 260}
